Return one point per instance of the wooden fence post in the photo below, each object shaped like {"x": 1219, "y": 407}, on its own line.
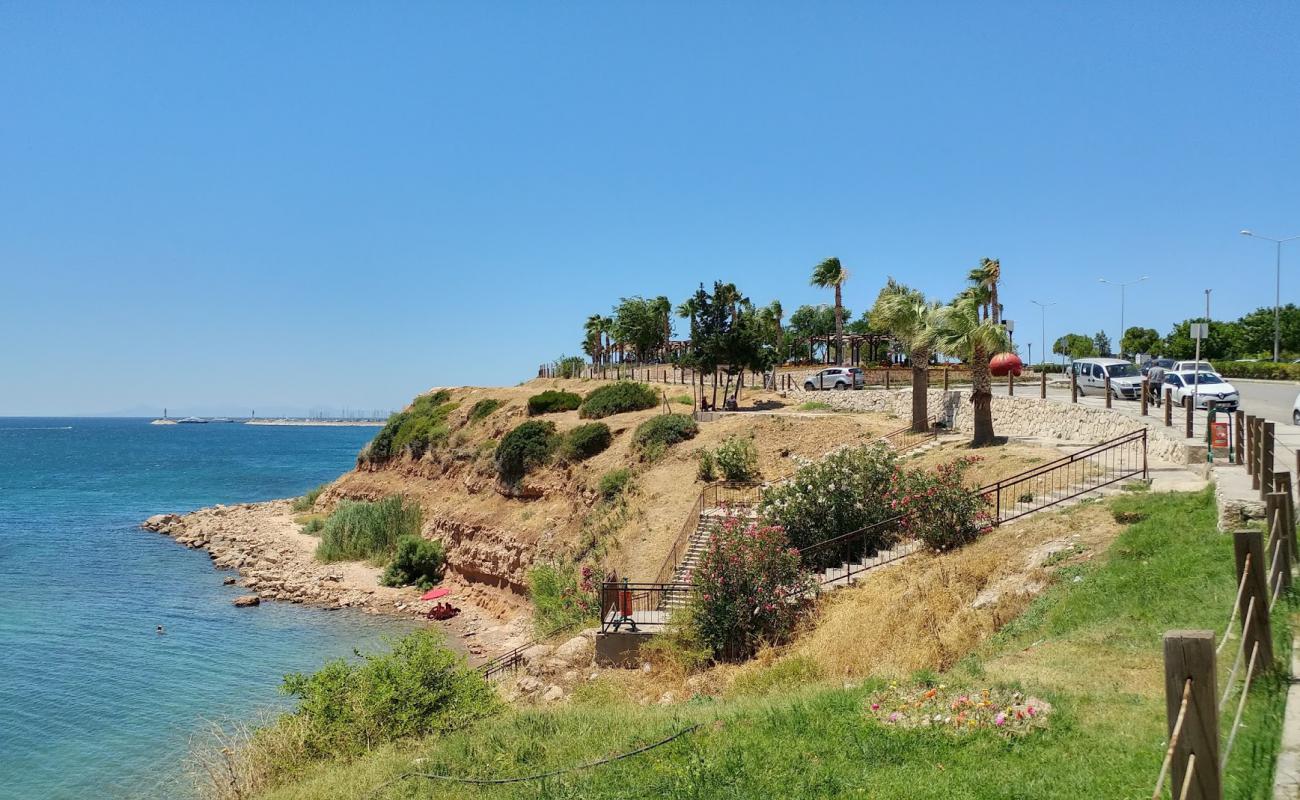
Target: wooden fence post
{"x": 1074, "y": 388}
{"x": 1190, "y": 406}
{"x": 1146, "y": 387}
{"x": 1042, "y": 385}
{"x": 1011, "y": 384}
{"x": 1251, "y": 448}
{"x": 1106, "y": 388}
{"x": 1169, "y": 408}
{"x": 1283, "y": 484}
{"x": 886, "y": 377}
{"x": 1275, "y": 514}
{"x": 945, "y": 377}
{"x": 1260, "y": 629}
{"x": 1189, "y": 656}
{"x": 1266, "y": 462}
{"x": 1238, "y": 439}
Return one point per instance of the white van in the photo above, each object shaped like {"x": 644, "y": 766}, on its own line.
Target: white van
{"x": 1125, "y": 379}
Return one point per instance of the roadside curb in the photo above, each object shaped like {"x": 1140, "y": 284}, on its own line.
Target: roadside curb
{"x": 1263, "y": 381}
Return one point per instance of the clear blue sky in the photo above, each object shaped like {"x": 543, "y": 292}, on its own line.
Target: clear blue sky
{"x": 215, "y": 206}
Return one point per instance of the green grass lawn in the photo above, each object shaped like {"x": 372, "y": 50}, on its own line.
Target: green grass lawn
{"x": 1091, "y": 647}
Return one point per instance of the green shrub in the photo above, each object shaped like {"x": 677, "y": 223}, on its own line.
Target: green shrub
{"x": 527, "y": 447}
{"x": 345, "y": 709}
{"x": 741, "y": 587}
{"x": 585, "y": 441}
{"x": 362, "y": 530}
{"x": 614, "y": 483}
{"x": 684, "y": 399}
{"x": 413, "y": 431}
{"x": 313, "y": 524}
{"x": 617, "y": 398}
{"x": 1263, "y": 370}
{"x": 654, "y": 435}
{"x": 707, "y": 470}
{"x": 308, "y": 501}
{"x": 417, "y": 561}
{"x": 941, "y": 510}
{"x": 563, "y": 596}
{"x": 483, "y": 409}
{"x": 552, "y": 402}
{"x": 737, "y": 458}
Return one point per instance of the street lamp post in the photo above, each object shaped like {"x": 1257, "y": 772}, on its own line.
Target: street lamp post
{"x": 1122, "y": 286}
{"x": 1277, "y": 289}
{"x": 1043, "y": 308}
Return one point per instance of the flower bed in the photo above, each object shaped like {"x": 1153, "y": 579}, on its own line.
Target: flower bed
{"x": 1001, "y": 710}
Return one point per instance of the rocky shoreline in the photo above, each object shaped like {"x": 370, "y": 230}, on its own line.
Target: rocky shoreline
{"x": 276, "y": 561}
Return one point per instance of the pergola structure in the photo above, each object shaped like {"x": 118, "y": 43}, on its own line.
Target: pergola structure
{"x": 876, "y": 345}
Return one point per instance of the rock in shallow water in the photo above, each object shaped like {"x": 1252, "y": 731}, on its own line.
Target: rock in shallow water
{"x": 247, "y": 600}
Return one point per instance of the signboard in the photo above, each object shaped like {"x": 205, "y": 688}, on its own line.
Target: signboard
{"x": 1219, "y": 435}
{"x": 1200, "y": 330}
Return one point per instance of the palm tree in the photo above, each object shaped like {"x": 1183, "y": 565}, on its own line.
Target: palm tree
{"x": 687, "y": 309}
{"x": 664, "y": 308}
{"x": 910, "y": 319}
{"x": 592, "y": 343}
{"x": 986, "y": 277}
{"x": 825, "y": 275}
{"x": 961, "y": 332}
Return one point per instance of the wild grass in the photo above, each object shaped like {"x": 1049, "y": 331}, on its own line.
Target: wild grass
{"x": 558, "y": 600}
{"x": 308, "y": 501}
{"x": 364, "y": 531}
{"x": 814, "y": 405}
{"x": 796, "y": 727}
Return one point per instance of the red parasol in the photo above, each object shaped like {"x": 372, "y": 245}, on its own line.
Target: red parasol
{"x": 434, "y": 594}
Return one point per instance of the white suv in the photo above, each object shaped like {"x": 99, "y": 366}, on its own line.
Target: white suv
{"x": 835, "y": 378}
{"x": 1207, "y": 386}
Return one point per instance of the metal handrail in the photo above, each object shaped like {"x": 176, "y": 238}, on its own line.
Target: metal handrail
{"x": 512, "y": 658}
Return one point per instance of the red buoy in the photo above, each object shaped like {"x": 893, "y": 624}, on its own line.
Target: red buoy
{"x": 1004, "y": 364}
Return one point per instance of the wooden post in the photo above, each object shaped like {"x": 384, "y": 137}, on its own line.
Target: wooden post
{"x": 1260, "y": 629}
{"x": 1282, "y": 483}
{"x": 1074, "y": 388}
{"x": 1189, "y": 656}
{"x": 1251, "y": 458}
{"x": 1042, "y": 385}
{"x": 1238, "y": 439}
{"x": 1189, "y": 407}
{"x": 1146, "y": 387}
{"x": 945, "y": 377}
{"x": 1169, "y": 408}
{"x": 1106, "y": 386}
{"x": 1266, "y": 462}
{"x": 1011, "y": 384}
{"x": 886, "y": 377}
{"x": 1275, "y": 515}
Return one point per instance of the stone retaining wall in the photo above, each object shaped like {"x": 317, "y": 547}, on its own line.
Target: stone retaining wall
{"x": 1023, "y": 416}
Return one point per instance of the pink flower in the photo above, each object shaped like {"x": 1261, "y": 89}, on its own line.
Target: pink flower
{"x": 875, "y": 706}
{"x": 893, "y": 717}
{"x": 1000, "y": 719}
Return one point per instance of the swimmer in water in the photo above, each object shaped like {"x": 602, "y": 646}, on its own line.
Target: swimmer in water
{"x": 161, "y": 631}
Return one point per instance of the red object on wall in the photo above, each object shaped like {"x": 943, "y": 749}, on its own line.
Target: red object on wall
{"x": 1004, "y": 364}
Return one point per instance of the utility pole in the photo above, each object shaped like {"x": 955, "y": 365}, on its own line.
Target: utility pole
{"x": 1277, "y": 289}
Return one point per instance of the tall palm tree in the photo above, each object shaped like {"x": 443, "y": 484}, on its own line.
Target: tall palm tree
{"x": 986, "y": 277}
{"x": 825, "y": 275}
{"x": 961, "y": 332}
{"x": 607, "y": 330}
{"x": 592, "y": 343}
{"x": 664, "y": 308}
{"x": 687, "y": 309}
{"x": 911, "y": 320}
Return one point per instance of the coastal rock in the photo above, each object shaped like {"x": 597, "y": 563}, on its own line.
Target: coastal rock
{"x": 527, "y": 684}
{"x": 573, "y": 649}
{"x": 160, "y": 522}
{"x": 553, "y": 693}
{"x": 228, "y": 581}
{"x": 247, "y": 600}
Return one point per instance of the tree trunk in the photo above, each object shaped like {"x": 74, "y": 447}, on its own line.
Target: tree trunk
{"x": 920, "y": 391}
{"x": 981, "y": 398}
{"x": 839, "y": 328}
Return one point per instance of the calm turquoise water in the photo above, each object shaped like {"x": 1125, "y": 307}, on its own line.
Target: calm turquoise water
{"x": 93, "y": 703}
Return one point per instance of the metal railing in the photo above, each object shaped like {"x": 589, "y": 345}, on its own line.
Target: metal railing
{"x": 511, "y": 660}
{"x": 668, "y": 568}
{"x": 636, "y": 606}
{"x": 905, "y": 439}
{"x": 853, "y": 549}
{"x": 1046, "y": 485}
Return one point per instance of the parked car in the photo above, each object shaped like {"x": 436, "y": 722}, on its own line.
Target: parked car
{"x": 1295, "y": 411}
{"x": 1167, "y": 364}
{"x": 1206, "y": 385}
{"x": 835, "y": 378}
{"x": 1194, "y": 366}
{"x": 1125, "y": 380}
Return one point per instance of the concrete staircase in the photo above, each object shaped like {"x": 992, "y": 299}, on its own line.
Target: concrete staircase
{"x": 849, "y": 574}
{"x": 695, "y": 549}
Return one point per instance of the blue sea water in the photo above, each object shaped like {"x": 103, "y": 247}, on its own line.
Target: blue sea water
{"x": 93, "y": 702}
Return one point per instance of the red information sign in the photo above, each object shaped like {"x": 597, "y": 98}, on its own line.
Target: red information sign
{"x": 1219, "y": 435}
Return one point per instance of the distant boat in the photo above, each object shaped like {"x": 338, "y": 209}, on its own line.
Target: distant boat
{"x": 192, "y": 421}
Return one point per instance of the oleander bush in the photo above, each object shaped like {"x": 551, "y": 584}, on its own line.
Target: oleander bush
{"x": 414, "y": 430}
{"x": 585, "y": 441}
{"x": 941, "y": 511}
{"x": 552, "y": 401}
{"x": 526, "y": 447}
{"x": 360, "y": 530}
{"x": 737, "y": 458}
{"x": 483, "y": 409}
{"x": 617, "y": 398}
{"x": 308, "y": 501}
{"x": 652, "y": 437}
{"x": 417, "y": 561}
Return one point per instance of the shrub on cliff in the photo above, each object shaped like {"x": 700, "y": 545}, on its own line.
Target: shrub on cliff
{"x": 552, "y": 402}
{"x": 585, "y": 441}
{"x": 413, "y": 430}
{"x": 359, "y": 531}
{"x": 655, "y": 435}
{"x": 527, "y": 447}
{"x": 614, "y": 483}
{"x": 308, "y": 501}
{"x": 417, "y": 561}
{"x": 483, "y": 409}
{"x": 617, "y": 398}
{"x": 737, "y": 459}
{"x": 346, "y": 709}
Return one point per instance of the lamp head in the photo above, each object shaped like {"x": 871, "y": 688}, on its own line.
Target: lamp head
{"x": 1247, "y": 233}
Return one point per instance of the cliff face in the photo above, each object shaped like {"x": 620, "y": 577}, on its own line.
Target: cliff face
{"x": 493, "y": 534}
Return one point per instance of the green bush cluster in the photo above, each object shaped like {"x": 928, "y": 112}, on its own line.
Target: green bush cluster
{"x": 308, "y": 501}
{"x": 654, "y": 436}
{"x": 483, "y": 409}
{"x": 552, "y": 401}
{"x": 563, "y": 596}
{"x": 368, "y": 531}
{"x": 527, "y": 447}
{"x": 585, "y": 441}
{"x": 614, "y": 483}
{"x": 346, "y": 709}
{"x": 414, "y": 430}
{"x": 617, "y": 398}
{"x": 1264, "y": 370}
{"x": 707, "y": 470}
{"x": 737, "y": 458}
{"x": 417, "y": 561}
{"x": 314, "y": 524}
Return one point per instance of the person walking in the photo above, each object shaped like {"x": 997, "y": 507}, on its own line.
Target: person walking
{"x": 1156, "y": 382}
